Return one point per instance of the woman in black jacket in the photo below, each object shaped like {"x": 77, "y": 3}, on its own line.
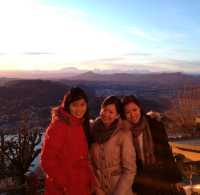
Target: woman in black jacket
{"x": 157, "y": 173}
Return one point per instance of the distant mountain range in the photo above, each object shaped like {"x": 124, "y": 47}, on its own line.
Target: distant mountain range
{"x": 75, "y": 73}
{"x": 42, "y": 74}
{"x": 153, "y": 79}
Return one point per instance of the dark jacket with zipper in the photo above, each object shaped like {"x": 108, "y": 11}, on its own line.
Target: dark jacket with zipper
{"x": 161, "y": 177}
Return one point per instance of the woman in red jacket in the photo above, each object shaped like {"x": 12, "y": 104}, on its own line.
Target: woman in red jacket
{"x": 64, "y": 156}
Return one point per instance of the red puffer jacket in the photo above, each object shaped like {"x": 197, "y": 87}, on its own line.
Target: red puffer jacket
{"x": 64, "y": 157}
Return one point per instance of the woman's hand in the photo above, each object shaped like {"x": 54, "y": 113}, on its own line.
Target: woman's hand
{"x": 178, "y": 188}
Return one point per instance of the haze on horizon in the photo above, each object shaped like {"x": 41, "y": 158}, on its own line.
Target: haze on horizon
{"x": 152, "y": 35}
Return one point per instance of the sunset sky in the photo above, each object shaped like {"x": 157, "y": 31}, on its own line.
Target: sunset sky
{"x": 155, "y": 35}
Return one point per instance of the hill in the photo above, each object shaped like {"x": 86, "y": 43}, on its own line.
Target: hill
{"x": 4, "y": 80}
{"x": 34, "y": 98}
{"x": 176, "y": 79}
{"x": 41, "y": 74}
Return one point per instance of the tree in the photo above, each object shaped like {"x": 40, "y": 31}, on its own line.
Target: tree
{"x": 18, "y": 151}
{"x": 185, "y": 108}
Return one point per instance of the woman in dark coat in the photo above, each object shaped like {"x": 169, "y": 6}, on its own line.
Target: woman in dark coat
{"x": 157, "y": 173}
{"x": 64, "y": 156}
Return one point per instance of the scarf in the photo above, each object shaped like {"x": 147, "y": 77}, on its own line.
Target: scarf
{"x": 101, "y": 133}
{"x": 148, "y": 145}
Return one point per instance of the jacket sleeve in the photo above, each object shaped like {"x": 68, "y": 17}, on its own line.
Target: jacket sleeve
{"x": 128, "y": 159}
{"x": 172, "y": 173}
{"x": 164, "y": 152}
{"x": 51, "y": 161}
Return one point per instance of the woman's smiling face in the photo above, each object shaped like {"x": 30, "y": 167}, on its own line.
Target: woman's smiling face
{"x": 78, "y": 108}
{"x": 132, "y": 113}
{"x": 108, "y": 114}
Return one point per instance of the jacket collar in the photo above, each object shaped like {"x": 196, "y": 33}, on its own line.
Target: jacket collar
{"x": 64, "y": 116}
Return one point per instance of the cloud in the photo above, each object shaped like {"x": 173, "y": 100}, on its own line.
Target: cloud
{"x": 155, "y": 35}
{"x": 190, "y": 66}
{"x": 138, "y": 54}
{"x": 105, "y": 60}
{"x": 141, "y": 33}
{"x": 124, "y": 58}
{"x": 124, "y": 63}
{"x": 2, "y": 54}
{"x": 38, "y": 36}
{"x": 30, "y": 26}
{"x": 147, "y": 63}
{"x": 38, "y": 53}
